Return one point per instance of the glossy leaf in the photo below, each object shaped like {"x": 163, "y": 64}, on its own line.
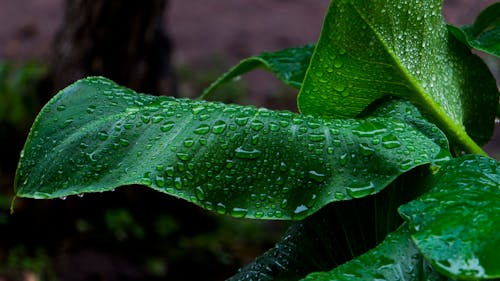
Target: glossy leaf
{"x": 95, "y": 136}
{"x": 289, "y": 65}
{"x": 456, "y": 224}
{"x": 336, "y": 234}
{"x": 371, "y": 49}
{"x": 484, "y": 34}
{"x": 397, "y": 258}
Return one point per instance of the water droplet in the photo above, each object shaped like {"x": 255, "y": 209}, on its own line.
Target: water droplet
{"x": 256, "y": 125}
{"x": 202, "y": 129}
{"x": 317, "y": 137}
{"x": 61, "y": 107}
{"x": 316, "y": 176}
{"x": 259, "y": 214}
{"x": 91, "y": 109}
{"x": 239, "y": 212}
{"x": 219, "y": 127}
{"x": 369, "y": 129}
{"x": 390, "y": 141}
{"x": 339, "y": 87}
{"x": 67, "y": 122}
{"x": 170, "y": 171}
{"x": 300, "y": 211}
{"x": 242, "y": 120}
{"x": 247, "y": 153}
{"x": 124, "y": 142}
{"x": 283, "y": 167}
{"x": 339, "y": 195}
{"x": 157, "y": 119}
{"x": 200, "y": 193}
{"x": 221, "y": 208}
{"x": 343, "y": 159}
{"x": 146, "y": 179}
{"x": 102, "y": 135}
{"x": 197, "y": 109}
{"x": 160, "y": 181}
{"x": 365, "y": 149}
{"x": 145, "y": 118}
{"x": 182, "y": 156}
{"x": 178, "y": 183}
{"x": 167, "y": 126}
{"x": 188, "y": 142}
{"x": 358, "y": 190}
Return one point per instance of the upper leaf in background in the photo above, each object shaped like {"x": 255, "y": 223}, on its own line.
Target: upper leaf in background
{"x": 456, "y": 225}
{"x": 396, "y": 258}
{"x": 289, "y": 65}
{"x": 371, "y": 49}
{"x": 95, "y": 136}
{"x": 484, "y": 34}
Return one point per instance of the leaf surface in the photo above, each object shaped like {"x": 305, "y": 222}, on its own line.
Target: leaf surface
{"x": 371, "y": 49}
{"x": 484, "y": 34}
{"x": 95, "y": 136}
{"x": 289, "y": 65}
{"x": 456, "y": 224}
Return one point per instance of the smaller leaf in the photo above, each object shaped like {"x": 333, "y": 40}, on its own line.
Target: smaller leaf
{"x": 484, "y": 34}
{"x": 289, "y": 65}
{"x": 456, "y": 224}
{"x": 396, "y": 258}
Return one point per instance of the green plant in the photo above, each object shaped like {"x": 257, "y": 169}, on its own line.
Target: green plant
{"x": 394, "y": 110}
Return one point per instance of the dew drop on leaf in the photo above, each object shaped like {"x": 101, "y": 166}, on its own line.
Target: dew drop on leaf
{"x": 238, "y": 212}
{"x": 219, "y": 127}
{"x": 247, "y": 153}
{"x": 202, "y": 129}
{"x": 257, "y": 125}
{"x": 316, "y": 176}
{"x": 358, "y": 190}
{"x": 102, "y": 135}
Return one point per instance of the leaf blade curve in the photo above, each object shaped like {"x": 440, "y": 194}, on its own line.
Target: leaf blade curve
{"x": 95, "y": 136}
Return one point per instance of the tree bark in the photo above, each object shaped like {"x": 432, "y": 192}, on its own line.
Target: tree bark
{"x": 121, "y": 40}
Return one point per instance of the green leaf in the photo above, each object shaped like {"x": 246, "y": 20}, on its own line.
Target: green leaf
{"x": 289, "y": 65}
{"x": 456, "y": 224}
{"x": 371, "y": 49}
{"x": 484, "y": 34}
{"x": 95, "y": 136}
{"x": 396, "y": 258}
{"x": 336, "y": 234}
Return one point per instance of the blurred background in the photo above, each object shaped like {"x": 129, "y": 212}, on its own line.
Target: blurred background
{"x": 164, "y": 47}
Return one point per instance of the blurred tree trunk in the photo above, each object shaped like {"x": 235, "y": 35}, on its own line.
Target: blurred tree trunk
{"x": 121, "y": 40}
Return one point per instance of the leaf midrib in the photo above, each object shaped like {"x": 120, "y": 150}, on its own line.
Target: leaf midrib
{"x": 456, "y": 132}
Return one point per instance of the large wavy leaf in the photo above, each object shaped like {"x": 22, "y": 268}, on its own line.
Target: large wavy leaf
{"x": 95, "y": 136}
{"x": 371, "y": 49}
{"x": 397, "y": 258}
{"x": 484, "y": 34}
{"x": 289, "y": 65}
{"x": 456, "y": 224}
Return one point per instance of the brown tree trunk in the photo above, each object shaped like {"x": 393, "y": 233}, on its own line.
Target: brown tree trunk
{"x": 121, "y": 40}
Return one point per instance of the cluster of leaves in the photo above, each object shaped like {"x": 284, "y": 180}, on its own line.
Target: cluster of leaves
{"x": 372, "y": 169}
